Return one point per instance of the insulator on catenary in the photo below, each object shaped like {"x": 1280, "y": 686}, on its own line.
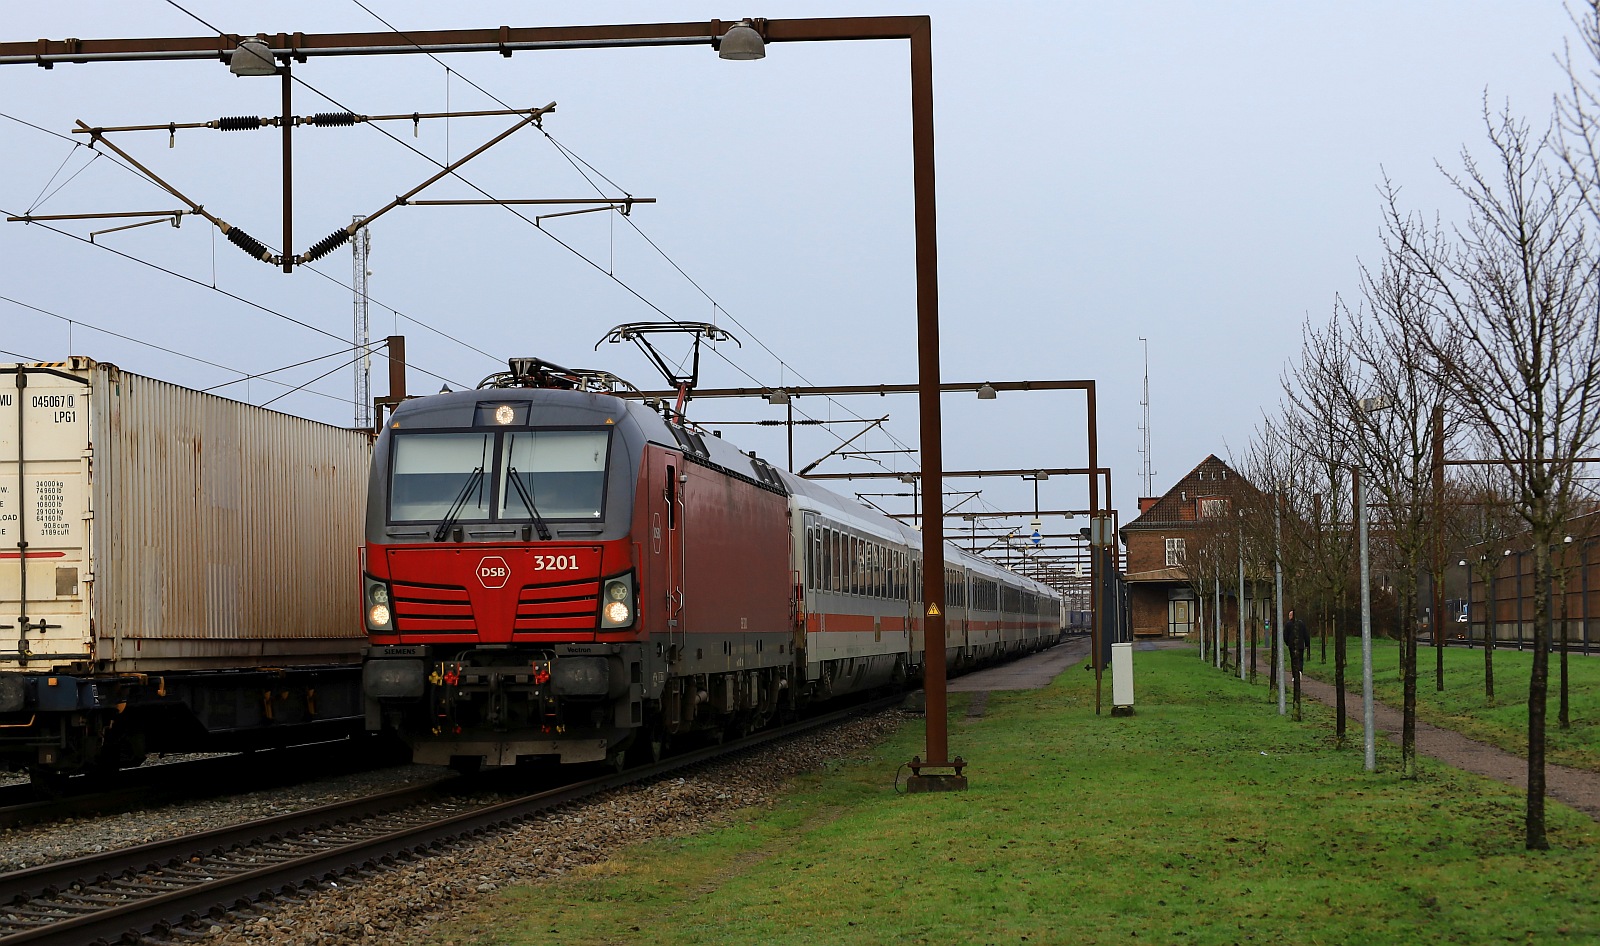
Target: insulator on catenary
{"x": 249, "y": 244}
{"x": 239, "y": 123}
{"x": 325, "y": 246}
{"x": 333, "y": 119}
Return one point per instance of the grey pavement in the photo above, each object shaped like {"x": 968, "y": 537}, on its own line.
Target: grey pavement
{"x": 1033, "y": 672}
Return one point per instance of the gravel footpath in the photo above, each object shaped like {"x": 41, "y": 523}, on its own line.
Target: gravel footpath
{"x": 401, "y": 907}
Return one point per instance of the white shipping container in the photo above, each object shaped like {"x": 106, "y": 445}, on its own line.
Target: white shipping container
{"x": 168, "y": 529}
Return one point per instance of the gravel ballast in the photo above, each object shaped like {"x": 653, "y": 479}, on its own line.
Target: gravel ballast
{"x": 402, "y": 906}
{"x": 31, "y": 845}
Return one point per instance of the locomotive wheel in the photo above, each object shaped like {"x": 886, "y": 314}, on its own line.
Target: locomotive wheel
{"x": 648, "y": 747}
{"x": 466, "y": 764}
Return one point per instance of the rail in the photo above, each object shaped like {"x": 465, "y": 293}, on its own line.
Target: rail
{"x": 164, "y": 885}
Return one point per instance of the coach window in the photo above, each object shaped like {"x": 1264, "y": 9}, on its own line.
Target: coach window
{"x": 832, "y": 561}
{"x": 811, "y": 559}
{"x": 817, "y": 556}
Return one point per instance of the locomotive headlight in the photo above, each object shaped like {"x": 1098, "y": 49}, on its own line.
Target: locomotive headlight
{"x": 379, "y": 617}
{"x": 504, "y": 414}
{"x": 616, "y": 603}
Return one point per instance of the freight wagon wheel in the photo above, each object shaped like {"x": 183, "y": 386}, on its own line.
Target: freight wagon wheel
{"x": 48, "y": 783}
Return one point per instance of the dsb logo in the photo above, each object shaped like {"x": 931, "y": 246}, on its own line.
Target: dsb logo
{"x": 493, "y": 572}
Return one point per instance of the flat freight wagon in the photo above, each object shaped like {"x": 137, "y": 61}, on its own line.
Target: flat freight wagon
{"x": 178, "y": 571}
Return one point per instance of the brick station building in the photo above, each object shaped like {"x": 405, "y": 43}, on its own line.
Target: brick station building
{"x": 1170, "y": 527}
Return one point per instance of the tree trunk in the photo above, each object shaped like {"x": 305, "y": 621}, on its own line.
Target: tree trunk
{"x": 1408, "y": 678}
{"x": 1538, "y": 688}
{"x": 1322, "y": 634}
{"x": 1338, "y": 681}
{"x": 1562, "y": 716}
{"x": 1493, "y": 608}
{"x": 1252, "y": 625}
{"x": 1439, "y": 626}
{"x": 1271, "y": 644}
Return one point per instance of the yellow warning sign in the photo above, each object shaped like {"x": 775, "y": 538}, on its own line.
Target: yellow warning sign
{"x": 933, "y": 611}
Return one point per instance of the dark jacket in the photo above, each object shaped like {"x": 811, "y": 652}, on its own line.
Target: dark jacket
{"x": 1296, "y": 636}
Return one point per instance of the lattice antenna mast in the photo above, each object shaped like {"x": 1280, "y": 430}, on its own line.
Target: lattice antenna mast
{"x": 1147, "y": 473}
{"x": 360, "y": 251}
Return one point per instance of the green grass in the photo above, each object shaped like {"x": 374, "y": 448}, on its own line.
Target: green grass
{"x": 1462, "y": 706}
{"x": 1204, "y": 819}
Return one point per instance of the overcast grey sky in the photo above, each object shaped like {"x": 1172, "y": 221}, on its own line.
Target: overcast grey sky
{"x": 1201, "y": 174}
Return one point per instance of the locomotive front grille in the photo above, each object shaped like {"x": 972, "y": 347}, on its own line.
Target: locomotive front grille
{"x": 434, "y": 609}
{"x": 567, "y": 607}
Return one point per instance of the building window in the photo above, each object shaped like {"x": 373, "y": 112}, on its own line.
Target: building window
{"x": 1213, "y": 508}
{"x": 1175, "y": 552}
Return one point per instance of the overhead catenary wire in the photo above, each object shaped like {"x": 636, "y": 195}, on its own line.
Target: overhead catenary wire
{"x": 40, "y": 197}
{"x": 237, "y": 298}
{"x": 338, "y": 367}
{"x": 565, "y": 245}
{"x": 143, "y": 177}
{"x": 246, "y": 376}
{"x": 574, "y": 159}
{"x": 191, "y": 15}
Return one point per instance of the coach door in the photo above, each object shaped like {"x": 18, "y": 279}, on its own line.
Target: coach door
{"x": 667, "y": 540}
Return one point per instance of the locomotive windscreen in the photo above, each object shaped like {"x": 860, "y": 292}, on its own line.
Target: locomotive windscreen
{"x": 562, "y": 472}
{"x": 496, "y": 475}
{"x": 431, "y": 471}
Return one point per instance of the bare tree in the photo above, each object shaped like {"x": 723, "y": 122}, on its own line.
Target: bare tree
{"x": 1509, "y": 328}
{"x": 1316, "y": 421}
{"x": 1484, "y": 534}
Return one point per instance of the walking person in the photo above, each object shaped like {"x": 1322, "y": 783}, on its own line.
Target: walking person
{"x": 1297, "y": 638}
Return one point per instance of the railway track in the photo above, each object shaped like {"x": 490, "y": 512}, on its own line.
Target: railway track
{"x": 168, "y": 782}
{"x": 168, "y": 886}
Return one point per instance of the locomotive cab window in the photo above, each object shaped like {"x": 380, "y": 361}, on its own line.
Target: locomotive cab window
{"x": 554, "y": 474}
{"x": 431, "y": 472}
{"x": 516, "y": 475}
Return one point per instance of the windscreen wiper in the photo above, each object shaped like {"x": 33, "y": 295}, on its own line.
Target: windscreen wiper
{"x": 538, "y": 520}
{"x": 474, "y": 479}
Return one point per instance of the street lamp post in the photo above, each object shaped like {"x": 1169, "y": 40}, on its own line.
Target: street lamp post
{"x": 1277, "y": 596}
{"x": 1369, "y": 738}
{"x": 1241, "y": 600}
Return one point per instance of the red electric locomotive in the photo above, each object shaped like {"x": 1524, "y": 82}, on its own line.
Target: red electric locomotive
{"x": 556, "y": 572}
